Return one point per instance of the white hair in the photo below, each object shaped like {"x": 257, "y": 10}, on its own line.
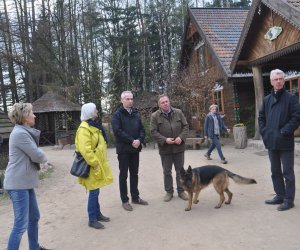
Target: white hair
{"x": 87, "y": 111}
{"x": 276, "y": 71}
{"x": 124, "y": 93}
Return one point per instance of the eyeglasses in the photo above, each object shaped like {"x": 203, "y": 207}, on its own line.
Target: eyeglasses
{"x": 277, "y": 79}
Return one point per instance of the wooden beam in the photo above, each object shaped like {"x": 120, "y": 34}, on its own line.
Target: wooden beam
{"x": 259, "y": 96}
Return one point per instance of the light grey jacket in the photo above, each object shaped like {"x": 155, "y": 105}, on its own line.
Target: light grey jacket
{"x": 21, "y": 172}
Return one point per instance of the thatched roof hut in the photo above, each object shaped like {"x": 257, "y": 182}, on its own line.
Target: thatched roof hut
{"x": 146, "y": 102}
{"x": 56, "y": 117}
{"x": 53, "y": 102}
{"x": 5, "y": 126}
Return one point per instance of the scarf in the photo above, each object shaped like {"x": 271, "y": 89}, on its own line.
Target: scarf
{"x": 100, "y": 127}
{"x": 216, "y": 123}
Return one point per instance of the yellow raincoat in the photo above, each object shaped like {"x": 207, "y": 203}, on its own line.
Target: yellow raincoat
{"x": 92, "y": 146}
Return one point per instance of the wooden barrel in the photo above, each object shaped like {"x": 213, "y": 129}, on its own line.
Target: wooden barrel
{"x": 240, "y": 137}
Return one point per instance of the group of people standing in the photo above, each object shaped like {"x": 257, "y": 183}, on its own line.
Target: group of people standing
{"x": 279, "y": 116}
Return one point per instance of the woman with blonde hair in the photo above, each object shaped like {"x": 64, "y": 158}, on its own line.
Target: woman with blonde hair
{"x": 90, "y": 143}
{"x": 21, "y": 175}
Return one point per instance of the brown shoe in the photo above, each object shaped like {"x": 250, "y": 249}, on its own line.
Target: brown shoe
{"x": 183, "y": 196}
{"x": 168, "y": 197}
{"x": 127, "y": 206}
{"x": 139, "y": 201}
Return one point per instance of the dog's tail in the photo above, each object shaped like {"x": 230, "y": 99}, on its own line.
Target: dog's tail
{"x": 240, "y": 179}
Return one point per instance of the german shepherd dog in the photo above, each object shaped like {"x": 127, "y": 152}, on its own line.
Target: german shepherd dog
{"x": 194, "y": 180}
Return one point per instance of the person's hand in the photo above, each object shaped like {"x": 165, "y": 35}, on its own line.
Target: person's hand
{"x": 178, "y": 140}
{"x": 205, "y": 137}
{"x": 96, "y": 168}
{"x": 136, "y": 143}
{"x": 228, "y": 130}
{"x": 170, "y": 141}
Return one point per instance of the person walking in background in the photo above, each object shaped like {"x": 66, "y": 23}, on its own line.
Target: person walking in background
{"x": 21, "y": 175}
{"x": 130, "y": 134}
{"x": 279, "y": 117}
{"x": 213, "y": 127}
{"x": 90, "y": 143}
{"x": 169, "y": 129}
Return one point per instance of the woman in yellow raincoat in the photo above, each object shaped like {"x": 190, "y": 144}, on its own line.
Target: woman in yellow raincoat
{"x": 90, "y": 143}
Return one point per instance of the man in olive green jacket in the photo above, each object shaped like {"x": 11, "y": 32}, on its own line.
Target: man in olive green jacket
{"x": 169, "y": 129}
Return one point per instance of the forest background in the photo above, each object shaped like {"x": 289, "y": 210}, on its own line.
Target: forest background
{"x": 91, "y": 50}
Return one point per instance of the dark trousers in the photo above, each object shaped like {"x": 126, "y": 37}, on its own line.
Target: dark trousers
{"x": 283, "y": 176}
{"x": 129, "y": 162}
{"x": 167, "y": 160}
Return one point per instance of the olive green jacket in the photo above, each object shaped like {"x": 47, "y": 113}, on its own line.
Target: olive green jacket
{"x": 163, "y": 127}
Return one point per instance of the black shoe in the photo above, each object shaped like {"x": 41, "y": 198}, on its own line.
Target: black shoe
{"x": 103, "y": 218}
{"x": 44, "y": 248}
{"x": 285, "y": 206}
{"x": 96, "y": 225}
{"x": 275, "y": 201}
{"x": 207, "y": 156}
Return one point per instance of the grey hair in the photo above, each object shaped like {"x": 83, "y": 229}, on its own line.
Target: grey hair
{"x": 124, "y": 93}
{"x": 18, "y": 112}
{"x": 276, "y": 71}
{"x": 213, "y": 106}
{"x": 161, "y": 96}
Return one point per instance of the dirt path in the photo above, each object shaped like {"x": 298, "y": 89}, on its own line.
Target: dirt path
{"x": 245, "y": 224}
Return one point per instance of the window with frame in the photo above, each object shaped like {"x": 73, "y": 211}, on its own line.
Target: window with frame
{"x": 201, "y": 57}
{"x": 218, "y": 97}
{"x": 293, "y": 85}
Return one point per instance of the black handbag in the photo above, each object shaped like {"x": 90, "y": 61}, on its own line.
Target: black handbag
{"x": 79, "y": 167}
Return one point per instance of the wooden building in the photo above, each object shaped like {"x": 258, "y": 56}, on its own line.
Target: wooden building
{"x": 5, "y": 128}
{"x": 56, "y": 117}
{"x": 209, "y": 43}
{"x": 270, "y": 39}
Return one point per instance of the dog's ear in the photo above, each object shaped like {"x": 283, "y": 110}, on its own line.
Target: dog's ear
{"x": 189, "y": 169}
{"x": 182, "y": 171}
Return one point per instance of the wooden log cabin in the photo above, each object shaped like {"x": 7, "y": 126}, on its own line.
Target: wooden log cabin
{"x": 209, "y": 43}
{"x": 270, "y": 39}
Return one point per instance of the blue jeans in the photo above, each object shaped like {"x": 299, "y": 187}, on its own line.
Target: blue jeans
{"x": 27, "y": 215}
{"x": 215, "y": 143}
{"x": 93, "y": 205}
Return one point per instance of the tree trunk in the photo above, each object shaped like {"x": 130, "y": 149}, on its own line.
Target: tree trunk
{"x": 259, "y": 96}
{"x": 240, "y": 137}
{"x": 9, "y": 57}
{"x": 2, "y": 89}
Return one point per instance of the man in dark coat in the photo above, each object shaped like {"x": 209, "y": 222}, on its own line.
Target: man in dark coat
{"x": 278, "y": 118}
{"x": 130, "y": 134}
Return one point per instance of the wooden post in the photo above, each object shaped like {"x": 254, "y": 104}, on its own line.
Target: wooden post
{"x": 259, "y": 96}
{"x": 240, "y": 137}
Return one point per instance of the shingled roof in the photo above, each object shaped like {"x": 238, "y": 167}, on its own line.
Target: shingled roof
{"x": 221, "y": 29}
{"x": 53, "y": 102}
{"x": 287, "y": 9}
